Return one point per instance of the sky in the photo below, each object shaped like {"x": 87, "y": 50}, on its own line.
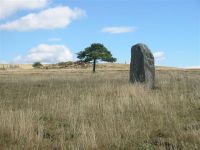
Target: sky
{"x": 52, "y": 31}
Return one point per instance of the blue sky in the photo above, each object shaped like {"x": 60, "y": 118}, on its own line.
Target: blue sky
{"x": 55, "y": 30}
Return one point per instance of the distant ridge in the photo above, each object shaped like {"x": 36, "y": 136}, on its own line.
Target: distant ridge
{"x": 101, "y": 66}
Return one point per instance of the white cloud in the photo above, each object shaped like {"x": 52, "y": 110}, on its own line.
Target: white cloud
{"x": 159, "y": 56}
{"x": 57, "y": 17}
{"x": 46, "y": 54}
{"x": 9, "y": 7}
{"x": 118, "y": 30}
{"x": 55, "y": 39}
{"x": 192, "y": 67}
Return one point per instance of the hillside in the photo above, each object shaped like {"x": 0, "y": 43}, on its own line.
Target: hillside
{"x": 76, "y": 109}
{"x": 103, "y": 66}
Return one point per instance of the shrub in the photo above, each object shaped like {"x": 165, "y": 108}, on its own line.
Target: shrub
{"x": 61, "y": 64}
{"x": 37, "y": 65}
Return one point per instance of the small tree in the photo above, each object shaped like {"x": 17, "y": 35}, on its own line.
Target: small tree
{"x": 96, "y": 52}
{"x": 37, "y": 65}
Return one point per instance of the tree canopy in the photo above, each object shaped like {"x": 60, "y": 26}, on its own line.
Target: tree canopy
{"x": 96, "y": 52}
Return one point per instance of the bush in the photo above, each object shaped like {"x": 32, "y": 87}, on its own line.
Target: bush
{"x": 62, "y": 64}
{"x": 65, "y": 64}
{"x": 37, "y": 65}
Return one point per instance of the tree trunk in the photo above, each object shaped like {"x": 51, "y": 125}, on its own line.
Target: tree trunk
{"x": 94, "y": 65}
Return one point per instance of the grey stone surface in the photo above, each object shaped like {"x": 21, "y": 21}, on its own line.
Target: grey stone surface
{"x": 142, "y": 68}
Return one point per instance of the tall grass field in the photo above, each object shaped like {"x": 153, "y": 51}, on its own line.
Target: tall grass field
{"x": 81, "y": 110}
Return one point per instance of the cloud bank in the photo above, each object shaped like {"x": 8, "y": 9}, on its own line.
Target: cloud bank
{"x": 118, "y": 30}
{"x": 192, "y": 67}
{"x": 9, "y": 7}
{"x": 159, "y": 56}
{"x": 46, "y": 54}
{"x": 3, "y": 62}
{"x": 52, "y": 18}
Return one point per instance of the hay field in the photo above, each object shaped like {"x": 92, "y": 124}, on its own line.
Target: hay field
{"x": 77, "y": 110}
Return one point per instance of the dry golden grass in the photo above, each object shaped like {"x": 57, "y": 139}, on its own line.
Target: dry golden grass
{"x": 75, "y": 109}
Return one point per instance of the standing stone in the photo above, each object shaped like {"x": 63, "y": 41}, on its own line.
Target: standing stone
{"x": 142, "y": 68}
